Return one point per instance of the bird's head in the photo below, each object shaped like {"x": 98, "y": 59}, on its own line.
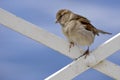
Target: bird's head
{"x": 62, "y": 16}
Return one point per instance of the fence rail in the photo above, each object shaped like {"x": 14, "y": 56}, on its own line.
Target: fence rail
{"x": 76, "y": 67}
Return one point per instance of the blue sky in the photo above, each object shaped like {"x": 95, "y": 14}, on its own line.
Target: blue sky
{"x": 24, "y": 59}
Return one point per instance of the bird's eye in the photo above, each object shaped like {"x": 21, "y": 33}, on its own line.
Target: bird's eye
{"x": 60, "y": 17}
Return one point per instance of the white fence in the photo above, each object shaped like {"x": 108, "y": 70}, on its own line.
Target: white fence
{"x": 76, "y": 67}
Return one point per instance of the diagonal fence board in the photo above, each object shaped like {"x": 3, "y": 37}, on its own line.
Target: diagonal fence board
{"x": 69, "y": 71}
{"x": 77, "y": 67}
{"x": 105, "y": 67}
{"x": 37, "y": 34}
{"x": 109, "y": 69}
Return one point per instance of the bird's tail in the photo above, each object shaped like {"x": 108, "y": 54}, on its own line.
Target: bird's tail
{"x": 103, "y": 32}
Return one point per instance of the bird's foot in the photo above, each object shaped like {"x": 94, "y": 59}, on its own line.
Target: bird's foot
{"x": 71, "y": 45}
{"x": 76, "y": 59}
{"x": 86, "y": 53}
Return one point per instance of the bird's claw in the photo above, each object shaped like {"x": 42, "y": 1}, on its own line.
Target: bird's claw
{"x": 71, "y": 45}
{"x": 86, "y": 53}
{"x": 78, "y": 57}
{"x": 75, "y": 59}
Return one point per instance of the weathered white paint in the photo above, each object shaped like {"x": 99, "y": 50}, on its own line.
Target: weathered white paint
{"x": 76, "y": 67}
{"x": 109, "y": 69}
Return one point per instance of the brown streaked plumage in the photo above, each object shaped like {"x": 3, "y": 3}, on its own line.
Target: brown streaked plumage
{"x": 77, "y": 29}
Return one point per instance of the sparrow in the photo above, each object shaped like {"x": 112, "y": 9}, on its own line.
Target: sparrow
{"x": 77, "y": 29}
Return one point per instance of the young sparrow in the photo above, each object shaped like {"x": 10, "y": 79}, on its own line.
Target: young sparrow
{"x": 77, "y": 29}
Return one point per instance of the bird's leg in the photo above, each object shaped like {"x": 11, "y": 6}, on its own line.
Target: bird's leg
{"x": 86, "y": 53}
{"x": 71, "y": 45}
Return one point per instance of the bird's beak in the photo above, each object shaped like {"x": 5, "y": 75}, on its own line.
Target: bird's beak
{"x": 56, "y": 21}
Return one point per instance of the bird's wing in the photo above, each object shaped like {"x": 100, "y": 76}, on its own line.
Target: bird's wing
{"x": 88, "y": 26}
